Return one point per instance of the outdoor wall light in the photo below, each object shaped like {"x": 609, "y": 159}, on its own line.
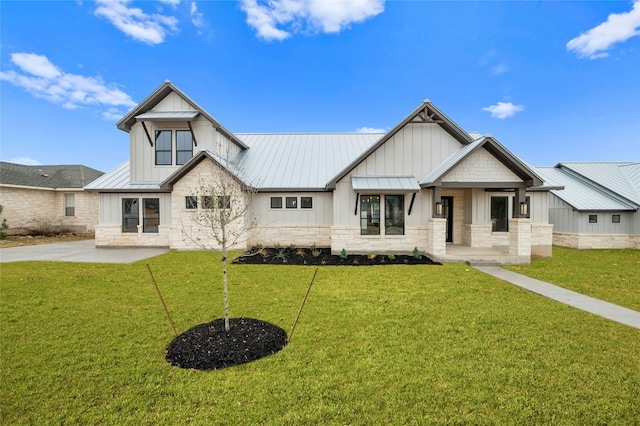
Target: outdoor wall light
{"x": 439, "y": 208}
{"x": 524, "y": 209}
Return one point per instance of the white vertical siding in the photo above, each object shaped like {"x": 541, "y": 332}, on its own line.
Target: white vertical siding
{"x": 111, "y": 206}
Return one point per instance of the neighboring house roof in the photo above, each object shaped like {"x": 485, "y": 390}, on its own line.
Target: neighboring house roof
{"x": 50, "y": 177}
{"x": 521, "y": 169}
{"x": 583, "y": 194}
{"x": 622, "y": 178}
{"x": 156, "y": 97}
{"x": 117, "y": 180}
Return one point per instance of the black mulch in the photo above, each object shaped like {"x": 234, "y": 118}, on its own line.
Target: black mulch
{"x": 208, "y": 346}
{"x": 323, "y": 256}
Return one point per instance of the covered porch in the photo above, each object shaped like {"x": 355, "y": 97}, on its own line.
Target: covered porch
{"x": 457, "y": 253}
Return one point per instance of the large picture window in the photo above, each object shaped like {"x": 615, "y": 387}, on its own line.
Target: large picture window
{"x": 370, "y": 215}
{"x": 151, "y": 215}
{"x": 500, "y": 214}
{"x": 130, "y": 214}
{"x": 163, "y": 147}
{"x": 394, "y": 214}
{"x": 184, "y": 146}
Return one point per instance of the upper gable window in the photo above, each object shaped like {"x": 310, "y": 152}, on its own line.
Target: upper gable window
{"x": 184, "y": 146}
{"x": 163, "y": 147}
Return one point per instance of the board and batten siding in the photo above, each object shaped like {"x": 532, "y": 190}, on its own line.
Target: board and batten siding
{"x": 142, "y": 154}
{"x": 566, "y": 219}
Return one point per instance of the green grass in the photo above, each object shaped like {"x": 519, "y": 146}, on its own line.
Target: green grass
{"x": 84, "y": 344}
{"x": 611, "y": 275}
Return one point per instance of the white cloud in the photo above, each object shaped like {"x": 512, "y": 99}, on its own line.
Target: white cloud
{"x": 147, "y": 28}
{"x": 617, "y": 28}
{"x": 25, "y": 161}
{"x": 197, "y": 18}
{"x": 503, "y": 110}
{"x": 327, "y": 16}
{"x": 173, "y": 3}
{"x": 499, "y": 69}
{"x": 370, "y": 130}
{"x": 43, "y": 79}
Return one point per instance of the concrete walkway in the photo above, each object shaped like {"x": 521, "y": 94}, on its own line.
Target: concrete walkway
{"x": 589, "y": 304}
{"x": 79, "y": 251}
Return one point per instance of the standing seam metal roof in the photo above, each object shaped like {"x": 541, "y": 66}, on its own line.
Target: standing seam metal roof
{"x": 623, "y": 178}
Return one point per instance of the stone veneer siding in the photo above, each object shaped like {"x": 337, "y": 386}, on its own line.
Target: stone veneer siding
{"x": 112, "y": 235}
{"x": 350, "y": 239}
{"x": 301, "y": 236}
{"x": 596, "y": 241}
{"x": 38, "y": 209}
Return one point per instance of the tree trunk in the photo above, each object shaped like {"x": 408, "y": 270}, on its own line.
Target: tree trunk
{"x": 225, "y": 287}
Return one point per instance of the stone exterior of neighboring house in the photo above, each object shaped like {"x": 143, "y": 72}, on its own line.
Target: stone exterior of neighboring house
{"x": 43, "y": 199}
{"x": 425, "y": 184}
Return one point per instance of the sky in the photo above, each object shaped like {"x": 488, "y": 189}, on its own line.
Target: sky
{"x": 551, "y": 80}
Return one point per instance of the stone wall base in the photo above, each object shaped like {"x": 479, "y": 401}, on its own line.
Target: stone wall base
{"x": 285, "y": 236}
{"x": 112, "y": 236}
{"x": 354, "y": 243}
{"x": 596, "y": 241}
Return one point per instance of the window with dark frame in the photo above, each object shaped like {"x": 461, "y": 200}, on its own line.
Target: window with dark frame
{"x": 593, "y": 218}
{"x": 394, "y": 214}
{"x": 369, "y": 215}
{"x": 499, "y": 214}
{"x": 207, "y": 202}
{"x": 306, "y": 202}
{"x": 184, "y": 146}
{"x": 615, "y": 218}
{"x": 163, "y": 147}
{"x": 292, "y": 202}
{"x": 150, "y": 215}
{"x": 223, "y": 202}
{"x": 276, "y": 202}
{"x": 69, "y": 205}
{"x": 191, "y": 202}
{"x": 130, "y": 214}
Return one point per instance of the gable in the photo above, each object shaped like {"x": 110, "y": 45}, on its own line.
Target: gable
{"x": 481, "y": 166}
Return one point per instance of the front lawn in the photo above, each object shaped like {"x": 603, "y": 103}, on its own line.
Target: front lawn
{"x": 611, "y": 275}
{"x": 84, "y": 344}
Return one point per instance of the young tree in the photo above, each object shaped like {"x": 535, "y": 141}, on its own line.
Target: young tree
{"x": 222, "y": 218}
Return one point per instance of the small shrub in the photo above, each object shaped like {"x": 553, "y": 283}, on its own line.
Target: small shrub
{"x": 281, "y": 255}
{"x": 355, "y": 262}
{"x": 276, "y": 246}
{"x": 313, "y": 246}
{"x": 343, "y": 254}
{"x": 301, "y": 252}
{"x": 292, "y": 247}
{"x": 3, "y": 226}
{"x": 416, "y": 253}
{"x": 371, "y": 256}
{"x": 315, "y": 252}
{"x": 391, "y": 257}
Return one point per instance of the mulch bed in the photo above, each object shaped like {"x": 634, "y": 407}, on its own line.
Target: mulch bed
{"x": 209, "y": 347}
{"x": 323, "y": 256}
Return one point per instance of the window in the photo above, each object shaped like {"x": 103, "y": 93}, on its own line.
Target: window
{"x": 516, "y": 206}
{"x": 394, "y": 214}
{"x": 593, "y": 218}
{"x": 184, "y": 146}
{"x": 130, "y": 214}
{"x": 306, "y": 202}
{"x": 223, "y": 202}
{"x": 615, "y": 218}
{"x": 276, "y": 202}
{"x": 163, "y": 147}
{"x": 207, "y": 202}
{"x": 191, "y": 202}
{"x": 370, "y": 215}
{"x": 69, "y": 205}
{"x": 500, "y": 214}
{"x": 151, "y": 215}
{"x": 292, "y": 202}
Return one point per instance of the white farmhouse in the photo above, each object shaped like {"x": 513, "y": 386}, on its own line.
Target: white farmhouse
{"x": 426, "y": 183}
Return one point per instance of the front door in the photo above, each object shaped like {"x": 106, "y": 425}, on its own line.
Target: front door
{"x": 447, "y": 203}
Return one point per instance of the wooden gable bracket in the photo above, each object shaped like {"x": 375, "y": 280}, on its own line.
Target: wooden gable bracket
{"x": 355, "y": 211}
{"x": 147, "y": 133}
{"x": 413, "y": 198}
{"x": 428, "y": 117}
{"x": 193, "y": 135}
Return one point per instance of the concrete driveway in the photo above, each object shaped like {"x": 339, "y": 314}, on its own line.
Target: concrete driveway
{"x": 78, "y": 251}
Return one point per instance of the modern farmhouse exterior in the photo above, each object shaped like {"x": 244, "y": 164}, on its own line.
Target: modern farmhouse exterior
{"x": 426, "y": 183}
{"x": 598, "y": 207}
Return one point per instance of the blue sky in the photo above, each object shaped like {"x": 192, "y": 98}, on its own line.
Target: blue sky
{"x": 552, "y": 81}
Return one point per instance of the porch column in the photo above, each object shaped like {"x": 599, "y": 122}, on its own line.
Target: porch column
{"x": 520, "y": 237}
{"x": 437, "y": 236}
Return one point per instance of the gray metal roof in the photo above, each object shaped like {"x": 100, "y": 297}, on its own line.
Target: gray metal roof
{"x": 117, "y": 180}
{"x": 579, "y": 194}
{"x": 404, "y": 183}
{"x": 289, "y": 162}
{"x": 621, "y": 178}
{"x": 53, "y": 177}
{"x": 168, "y": 116}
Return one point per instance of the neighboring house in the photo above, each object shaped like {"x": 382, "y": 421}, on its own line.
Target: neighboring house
{"x": 598, "y": 207}
{"x": 48, "y": 198}
{"x": 426, "y": 183}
